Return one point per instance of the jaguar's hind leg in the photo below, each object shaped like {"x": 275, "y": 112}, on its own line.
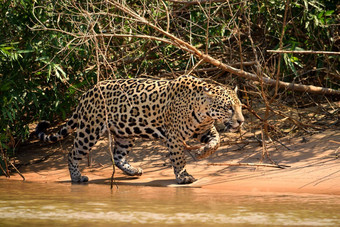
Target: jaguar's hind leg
{"x": 122, "y": 147}
{"x": 73, "y": 166}
{"x": 81, "y": 147}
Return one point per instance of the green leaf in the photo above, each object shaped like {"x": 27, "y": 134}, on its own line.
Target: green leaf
{"x": 59, "y": 69}
{"x": 5, "y": 86}
{"x": 290, "y": 64}
{"x": 329, "y": 13}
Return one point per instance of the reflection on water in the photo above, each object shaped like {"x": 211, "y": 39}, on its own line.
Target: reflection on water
{"x": 96, "y": 205}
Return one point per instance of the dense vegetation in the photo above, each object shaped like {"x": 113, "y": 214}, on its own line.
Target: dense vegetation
{"x": 51, "y": 51}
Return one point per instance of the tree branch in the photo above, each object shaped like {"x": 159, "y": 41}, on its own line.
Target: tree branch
{"x": 181, "y": 72}
{"x": 249, "y": 164}
{"x": 194, "y": 2}
{"x": 303, "y": 52}
{"x": 207, "y": 58}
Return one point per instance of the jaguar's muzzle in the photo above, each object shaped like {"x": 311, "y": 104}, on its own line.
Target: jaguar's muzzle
{"x": 233, "y": 126}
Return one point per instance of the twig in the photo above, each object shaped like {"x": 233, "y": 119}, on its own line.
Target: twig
{"x": 238, "y": 38}
{"x": 113, "y": 164}
{"x": 17, "y": 171}
{"x": 167, "y": 16}
{"x": 4, "y": 158}
{"x": 194, "y": 67}
{"x": 248, "y": 164}
{"x": 110, "y": 139}
{"x": 303, "y": 52}
{"x": 4, "y": 171}
{"x": 280, "y": 45}
{"x": 258, "y": 117}
{"x": 264, "y": 145}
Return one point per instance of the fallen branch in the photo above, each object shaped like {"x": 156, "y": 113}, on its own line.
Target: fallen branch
{"x": 249, "y": 164}
{"x": 227, "y": 142}
{"x": 194, "y": 2}
{"x": 269, "y": 81}
{"x": 333, "y": 141}
{"x": 182, "y": 72}
{"x": 303, "y": 52}
{"x": 207, "y": 58}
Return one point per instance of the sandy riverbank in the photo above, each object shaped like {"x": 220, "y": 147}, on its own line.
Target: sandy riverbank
{"x": 314, "y": 166}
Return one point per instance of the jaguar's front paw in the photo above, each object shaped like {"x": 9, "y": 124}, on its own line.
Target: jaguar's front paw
{"x": 184, "y": 178}
{"x": 81, "y": 179}
{"x": 134, "y": 171}
{"x": 202, "y": 152}
{"x": 205, "y": 151}
{"x": 84, "y": 179}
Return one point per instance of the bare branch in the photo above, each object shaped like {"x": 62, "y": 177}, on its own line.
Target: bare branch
{"x": 249, "y": 164}
{"x": 303, "y": 52}
{"x": 207, "y": 58}
{"x": 181, "y": 72}
{"x": 194, "y": 2}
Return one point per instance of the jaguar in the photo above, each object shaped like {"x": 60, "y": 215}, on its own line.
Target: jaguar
{"x": 172, "y": 110}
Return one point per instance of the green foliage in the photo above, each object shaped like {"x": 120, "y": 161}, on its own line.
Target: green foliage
{"x": 34, "y": 79}
{"x": 42, "y": 71}
{"x": 310, "y": 25}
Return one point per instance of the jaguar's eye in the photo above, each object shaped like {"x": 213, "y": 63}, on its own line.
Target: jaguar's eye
{"x": 231, "y": 110}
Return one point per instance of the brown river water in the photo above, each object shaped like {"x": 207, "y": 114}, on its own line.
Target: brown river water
{"x": 56, "y": 204}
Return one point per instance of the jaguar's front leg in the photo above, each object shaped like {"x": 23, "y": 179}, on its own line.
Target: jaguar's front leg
{"x": 122, "y": 147}
{"x": 211, "y": 138}
{"x": 178, "y": 162}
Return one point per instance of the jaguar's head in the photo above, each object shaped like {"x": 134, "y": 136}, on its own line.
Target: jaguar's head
{"x": 225, "y": 107}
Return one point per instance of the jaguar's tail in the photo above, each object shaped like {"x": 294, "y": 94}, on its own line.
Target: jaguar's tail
{"x": 63, "y": 132}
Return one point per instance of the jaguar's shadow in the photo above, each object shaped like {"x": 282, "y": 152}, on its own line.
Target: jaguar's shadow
{"x": 129, "y": 181}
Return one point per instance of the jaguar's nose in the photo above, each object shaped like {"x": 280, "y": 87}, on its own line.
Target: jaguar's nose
{"x": 240, "y": 122}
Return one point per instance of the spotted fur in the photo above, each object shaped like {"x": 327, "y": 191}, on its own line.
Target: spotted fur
{"x": 174, "y": 110}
